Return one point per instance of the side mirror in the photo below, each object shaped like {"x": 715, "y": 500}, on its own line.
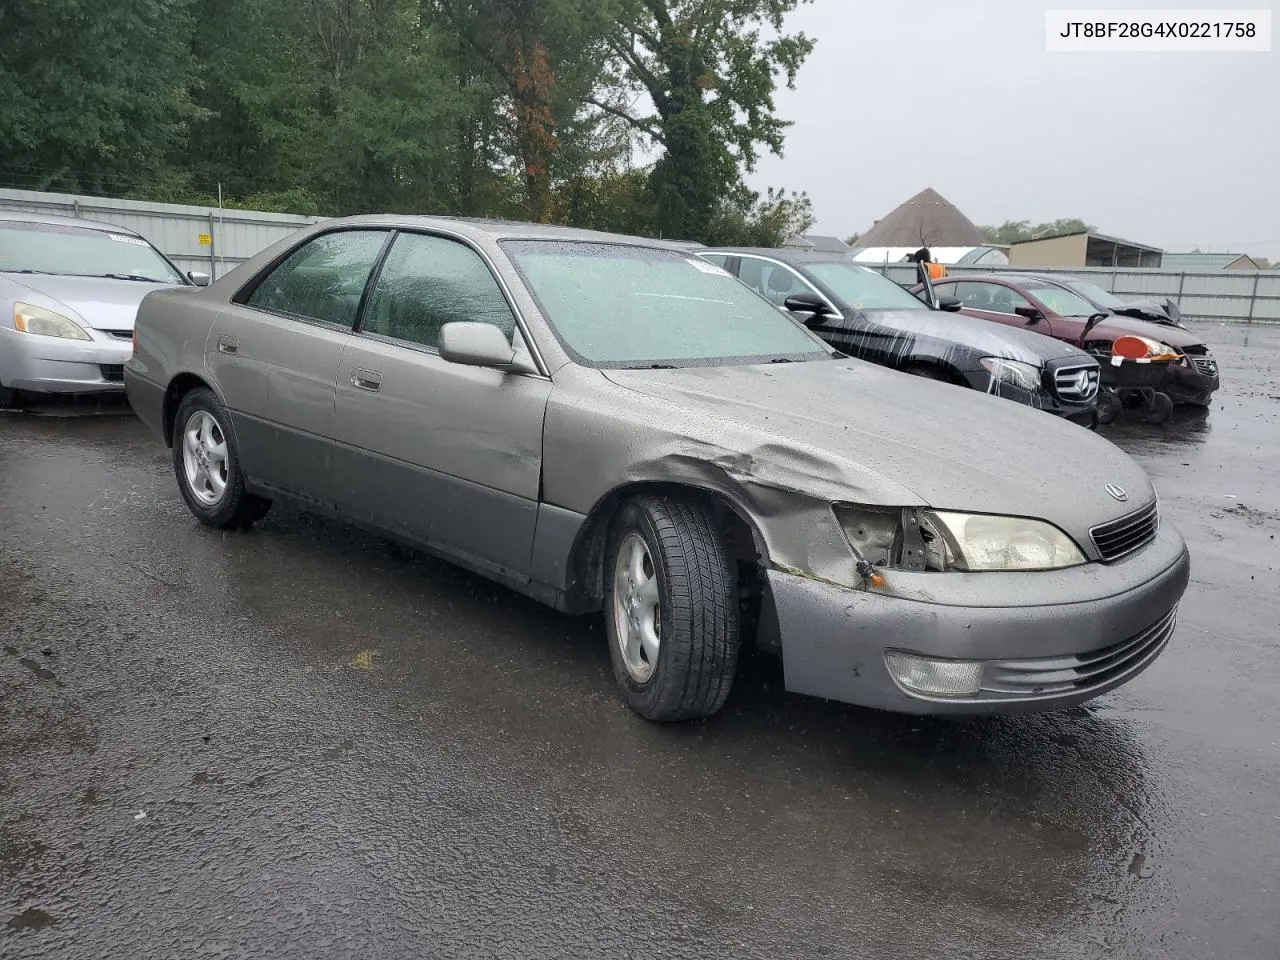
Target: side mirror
{"x": 471, "y": 344}
{"x": 806, "y": 302}
{"x": 198, "y": 278}
{"x": 1031, "y": 313}
{"x": 949, "y": 304}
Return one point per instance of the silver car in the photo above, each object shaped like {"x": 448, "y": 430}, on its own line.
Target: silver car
{"x": 606, "y": 423}
{"x": 69, "y": 291}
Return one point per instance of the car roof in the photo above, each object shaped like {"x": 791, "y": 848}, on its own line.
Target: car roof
{"x": 786, "y": 256}
{"x": 479, "y": 227}
{"x": 1011, "y": 278}
{"x": 56, "y": 220}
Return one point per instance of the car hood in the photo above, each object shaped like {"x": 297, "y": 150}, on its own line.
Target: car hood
{"x": 991, "y": 338}
{"x": 1117, "y": 326}
{"x": 849, "y": 430}
{"x": 99, "y": 302}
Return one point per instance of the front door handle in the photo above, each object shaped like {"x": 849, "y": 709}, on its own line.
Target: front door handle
{"x": 228, "y": 344}
{"x": 364, "y": 379}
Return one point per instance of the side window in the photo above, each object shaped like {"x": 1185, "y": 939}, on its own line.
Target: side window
{"x": 721, "y": 260}
{"x": 429, "y": 281}
{"x": 991, "y": 297}
{"x": 323, "y": 279}
{"x": 771, "y": 280}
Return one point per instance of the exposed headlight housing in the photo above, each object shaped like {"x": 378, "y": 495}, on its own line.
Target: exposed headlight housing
{"x": 941, "y": 541}
{"x": 1015, "y": 373}
{"x": 28, "y": 318}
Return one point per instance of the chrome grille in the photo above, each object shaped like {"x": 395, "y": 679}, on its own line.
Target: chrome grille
{"x": 1206, "y": 366}
{"x": 1076, "y": 384}
{"x": 1084, "y": 671}
{"x": 1120, "y": 537}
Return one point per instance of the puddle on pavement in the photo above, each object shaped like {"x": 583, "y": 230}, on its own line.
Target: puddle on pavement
{"x": 33, "y": 918}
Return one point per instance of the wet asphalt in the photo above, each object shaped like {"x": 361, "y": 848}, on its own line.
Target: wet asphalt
{"x": 304, "y": 742}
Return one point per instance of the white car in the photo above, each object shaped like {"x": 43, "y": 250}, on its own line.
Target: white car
{"x": 69, "y": 292}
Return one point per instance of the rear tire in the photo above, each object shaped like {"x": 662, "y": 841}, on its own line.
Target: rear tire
{"x": 671, "y": 609}
{"x": 206, "y": 461}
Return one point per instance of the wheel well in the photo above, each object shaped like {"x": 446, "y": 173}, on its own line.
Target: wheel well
{"x": 741, "y": 538}
{"x": 178, "y": 388}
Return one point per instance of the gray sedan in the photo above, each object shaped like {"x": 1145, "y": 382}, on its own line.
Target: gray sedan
{"x": 69, "y": 291}
{"x": 606, "y": 423}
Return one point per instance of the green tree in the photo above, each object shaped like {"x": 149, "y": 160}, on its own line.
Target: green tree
{"x": 745, "y": 219}
{"x": 340, "y": 106}
{"x": 706, "y": 74}
{"x": 547, "y": 56}
{"x": 1020, "y": 231}
{"x": 92, "y": 102}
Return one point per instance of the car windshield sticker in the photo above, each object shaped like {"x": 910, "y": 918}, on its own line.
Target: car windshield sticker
{"x": 121, "y": 238}
{"x": 710, "y": 268}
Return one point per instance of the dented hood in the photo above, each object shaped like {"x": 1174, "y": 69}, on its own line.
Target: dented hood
{"x": 844, "y": 429}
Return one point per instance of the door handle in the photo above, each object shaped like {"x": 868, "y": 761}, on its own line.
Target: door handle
{"x": 364, "y": 379}
{"x": 228, "y": 344}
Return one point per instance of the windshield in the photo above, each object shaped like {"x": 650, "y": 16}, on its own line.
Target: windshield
{"x": 1061, "y": 301}
{"x": 863, "y": 289}
{"x": 68, "y": 250}
{"x": 614, "y": 305}
{"x": 1095, "y": 294}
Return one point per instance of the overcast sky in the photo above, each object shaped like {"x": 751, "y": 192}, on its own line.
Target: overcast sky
{"x": 1175, "y": 150}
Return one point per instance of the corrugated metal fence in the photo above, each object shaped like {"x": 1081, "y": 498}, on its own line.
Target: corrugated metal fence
{"x": 195, "y": 238}
{"x": 1239, "y": 296}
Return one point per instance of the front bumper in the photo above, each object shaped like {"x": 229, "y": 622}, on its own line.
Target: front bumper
{"x": 1088, "y": 630}
{"x": 53, "y": 365}
{"x": 1196, "y": 382}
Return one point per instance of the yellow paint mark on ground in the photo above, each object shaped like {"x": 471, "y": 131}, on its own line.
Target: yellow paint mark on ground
{"x": 364, "y": 659}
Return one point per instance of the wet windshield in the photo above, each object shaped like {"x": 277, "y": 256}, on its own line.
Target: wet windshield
{"x": 627, "y": 306}
{"x": 863, "y": 289}
{"x": 1061, "y": 301}
{"x": 67, "y": 250}
{"x": 1095, "y": 294}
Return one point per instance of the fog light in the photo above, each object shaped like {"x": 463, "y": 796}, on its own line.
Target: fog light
{"x": 935, "y": 678}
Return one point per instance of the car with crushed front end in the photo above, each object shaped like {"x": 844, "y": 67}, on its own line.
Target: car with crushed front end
{"x": 865, "y": 314}
{"x": 69, "y": 291}
{"x": 1081, "y": 313}
{"x": 612, "y": 424}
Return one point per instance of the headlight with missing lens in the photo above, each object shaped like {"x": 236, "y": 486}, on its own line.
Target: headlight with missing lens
{"x": 28, "y": 318}
{"x": 1015, "y": 373}
{"x": 940, "y": 540}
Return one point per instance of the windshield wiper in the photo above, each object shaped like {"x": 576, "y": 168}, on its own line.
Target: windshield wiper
{"x": 124, "y": 276}
{"x": 782, "y": 360}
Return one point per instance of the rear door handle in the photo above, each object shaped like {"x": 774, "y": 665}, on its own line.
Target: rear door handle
{"x": 228, "y": 344}
{"x": 364, "y": 379}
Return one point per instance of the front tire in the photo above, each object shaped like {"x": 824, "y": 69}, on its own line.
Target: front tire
{"x": 671, "y": 610}
{"x": 206, "y": 462}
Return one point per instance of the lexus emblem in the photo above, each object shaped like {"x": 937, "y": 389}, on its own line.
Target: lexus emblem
{"x": 1117, "y": 492}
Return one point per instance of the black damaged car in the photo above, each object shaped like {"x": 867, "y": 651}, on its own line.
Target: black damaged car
{"x": 864, "y": 314}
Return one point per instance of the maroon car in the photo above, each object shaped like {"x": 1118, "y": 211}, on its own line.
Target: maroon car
{"x": 1049, "y": 306}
